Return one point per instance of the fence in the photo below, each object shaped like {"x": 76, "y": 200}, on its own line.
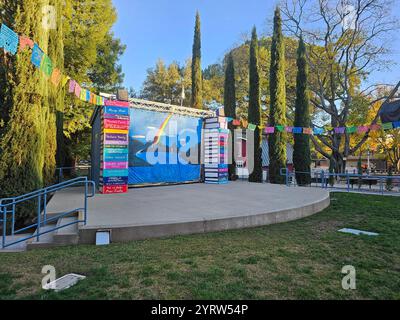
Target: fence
{"x": 350, "y": 182}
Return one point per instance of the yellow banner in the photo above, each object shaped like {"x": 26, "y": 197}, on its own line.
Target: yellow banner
{"x": 116, "y": 131}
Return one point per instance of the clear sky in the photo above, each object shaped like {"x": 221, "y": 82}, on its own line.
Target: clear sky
{"x": 154, "y": 29}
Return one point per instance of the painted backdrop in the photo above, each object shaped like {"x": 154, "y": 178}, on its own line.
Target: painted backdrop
{"x": 163, "y": 148}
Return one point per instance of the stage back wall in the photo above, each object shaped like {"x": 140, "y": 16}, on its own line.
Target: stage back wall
{"x": 162, "y": 147}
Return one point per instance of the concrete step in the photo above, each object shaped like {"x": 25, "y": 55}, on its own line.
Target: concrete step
{"x": 45, "y": 241}
{"x": 68, "y": 235}
{"x": 19, "y": 247}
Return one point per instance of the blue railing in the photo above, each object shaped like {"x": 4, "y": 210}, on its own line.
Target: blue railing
{"x": 8, "y": 211}
{"x": 385, "y": 184}
{"x": 74, "y": 172}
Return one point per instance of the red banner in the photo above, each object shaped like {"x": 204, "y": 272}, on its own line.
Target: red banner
{"x": 115, "y": 189}
{"x": 116, "y": 124}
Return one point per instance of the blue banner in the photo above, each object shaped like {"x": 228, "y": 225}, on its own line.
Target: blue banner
{"x": 120, "y": 111}
{"x": 163, "y": 148}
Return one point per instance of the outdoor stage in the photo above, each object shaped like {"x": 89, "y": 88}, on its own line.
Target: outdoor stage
{"x": 187, "y": 209}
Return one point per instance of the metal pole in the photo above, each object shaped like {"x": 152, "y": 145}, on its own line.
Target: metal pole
{"x": 4, "y": 227}
{"x": 86, "y": 196}
{"x": 45, "y": 209}
{"x": 38, "y": 219}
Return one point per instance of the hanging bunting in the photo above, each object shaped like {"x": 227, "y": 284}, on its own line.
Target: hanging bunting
{"x": 340, "y": 130}
{"x": 297, "y": 130}
{"x": 289, "y": 129}
{"x": 71, "y": 87}
{"x": 387, "y": 126}
{"x": 280, "y": 128}
{"x": 236, "y": 122}
{"x": 229, "y": 119}
{"x": 9, "y": 39}
{"x": 24, "y": 43}
{"x": 64, "y": 80}
{"x": 47, "y": 65}
{"x": 362, "y": 129}
{"x": 56, "y": 77}
{"x": 83, "y": 95}
{"x": 269, "y": 130}
{"x": 375, "y": 127}
{"x": 318, "y": 131}
{"x": 78, "y": 90}
{"x": 252, "y": 127}
{"x": 308, "y": 131}
{"x": 352, "y": 129}
{"x": 37, "y": 56}
{"x": 396, "y": 124}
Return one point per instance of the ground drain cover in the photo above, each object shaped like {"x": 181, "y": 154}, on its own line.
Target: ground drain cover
{"x": 359, "y": 232}
{"x": 64, "y": 282}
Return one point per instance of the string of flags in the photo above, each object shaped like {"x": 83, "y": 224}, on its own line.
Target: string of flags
{"x": 315, "y": 131}
{"x": 10, "y": 41}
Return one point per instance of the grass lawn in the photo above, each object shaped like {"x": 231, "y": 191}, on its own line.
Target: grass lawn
{"x": 296, "y": 260}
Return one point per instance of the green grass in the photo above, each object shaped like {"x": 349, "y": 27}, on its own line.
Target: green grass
{"x": 296, "y": 260}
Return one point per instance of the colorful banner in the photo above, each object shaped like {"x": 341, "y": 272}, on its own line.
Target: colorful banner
{"x": 37, "y": 56}
{"x": 112, "y": 189}
{"x": 8, "y": 39}
{"x": 115, "y": 159}
{"x": 116, "y": 124}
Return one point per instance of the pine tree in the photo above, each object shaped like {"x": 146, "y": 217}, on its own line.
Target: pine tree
{"x": 302, "y": 153}
{"x": 230, "y": 109}
{"x": 277, "y": 141}
{"x": 254, "y": 116}
{"x": 197, "y": 78}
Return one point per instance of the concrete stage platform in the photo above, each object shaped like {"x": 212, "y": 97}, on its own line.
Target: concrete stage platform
{"x": 188, "y": 209}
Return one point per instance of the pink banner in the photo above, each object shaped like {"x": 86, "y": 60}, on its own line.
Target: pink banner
{"x": 269, "y": 130}
{"x": 115, "y": 165}
{"x": 110, "y": 103}
{"x": 116, "y": 124}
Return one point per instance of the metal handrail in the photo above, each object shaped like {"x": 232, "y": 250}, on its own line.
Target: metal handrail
{"x": 325, "y": 176}
{"x": 8, "y": 207}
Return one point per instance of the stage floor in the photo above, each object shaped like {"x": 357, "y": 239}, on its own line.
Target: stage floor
{"x": 194, "y": 208}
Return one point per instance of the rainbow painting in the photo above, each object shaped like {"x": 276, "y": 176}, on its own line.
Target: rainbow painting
{"x": 161, "y": 131}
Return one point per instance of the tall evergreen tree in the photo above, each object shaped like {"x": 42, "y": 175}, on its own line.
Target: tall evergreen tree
{"x": 197, "y": 78}
{"x": 254, "y": 115}
{"x": 277, "y": 141}
{"x": 24, "y": 147}
{"x": 230, "y": 109}
{"x": 302, "y": 152}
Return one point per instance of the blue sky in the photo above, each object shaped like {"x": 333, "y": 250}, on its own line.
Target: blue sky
{"x": 154, "y": 29}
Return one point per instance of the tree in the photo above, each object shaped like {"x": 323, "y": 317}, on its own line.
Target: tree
{"x": 302, "y": 152}
{"x": 277, "y": 141}
{"x": 27, "y": 146}
{"x": 33, "y": 115}
{"x": 230, "y": 109}
{"x": 197, "y": 79}
{"x": 254, "y": 114}
{"x": 163, "y": 83}
{"x": 106, "y": 74}
{"x": 345, "y": 46}
{"x": 91, "y": 63}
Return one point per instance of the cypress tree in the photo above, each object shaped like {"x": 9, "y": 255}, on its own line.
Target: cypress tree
{"x": 230, "y": 109}
{"x": 197, "y": 78}
{"x": 302, "y": 153}
{"x": 23, "y": 145}
{"x": 254, "y": 116}
{"x": 277, "y": 141}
